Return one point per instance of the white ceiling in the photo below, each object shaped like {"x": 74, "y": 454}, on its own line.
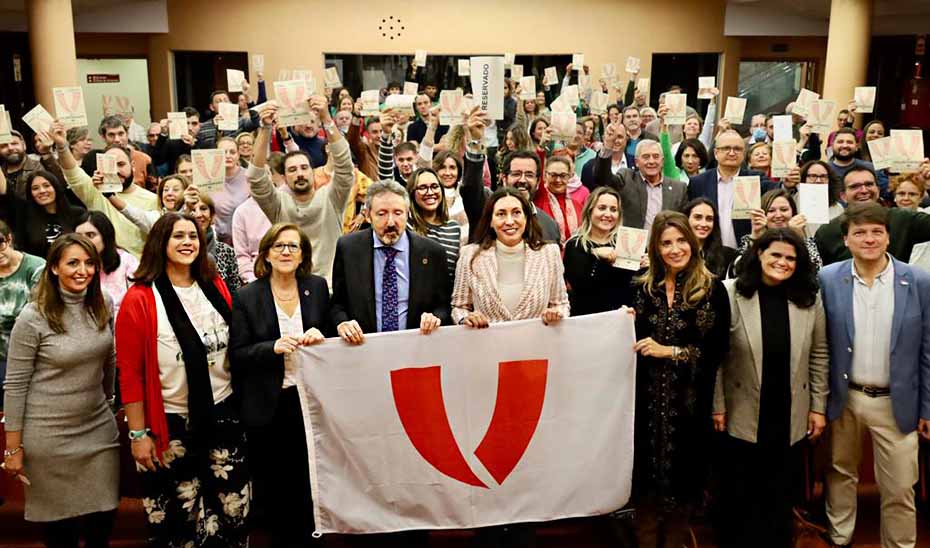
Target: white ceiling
{"x": 821, "y": 8}
{"x": 812, "y": 17}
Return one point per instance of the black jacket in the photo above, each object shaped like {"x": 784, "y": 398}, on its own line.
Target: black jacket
{"x": 354, "y": 284}
{"x": 258, "y": 372}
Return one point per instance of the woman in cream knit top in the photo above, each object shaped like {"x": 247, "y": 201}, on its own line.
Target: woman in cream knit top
{"x": 509, "y": 274}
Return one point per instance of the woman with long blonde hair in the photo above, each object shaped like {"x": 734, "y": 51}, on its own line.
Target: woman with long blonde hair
{"x": 594, "y": 283}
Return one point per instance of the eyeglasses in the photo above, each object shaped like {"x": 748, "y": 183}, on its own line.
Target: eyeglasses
{"x": 427, "y": 189}
{"x": 817, "y": 177}
{"x": 517, "y": 175}
{"x": 559, "y": 176}
{"x": 856, "y": 186}
{"x": 291, "y": 248}
{"x": 731, "y": 150}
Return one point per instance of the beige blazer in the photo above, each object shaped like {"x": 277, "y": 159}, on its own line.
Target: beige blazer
{"x": 739, "y": 379}
{"x": 476, "y": 285}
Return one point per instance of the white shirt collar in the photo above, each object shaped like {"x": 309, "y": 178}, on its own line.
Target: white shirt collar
{"x": 886, "y": 276}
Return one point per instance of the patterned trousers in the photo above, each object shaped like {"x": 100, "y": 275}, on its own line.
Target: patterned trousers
{"x": 200, "y": 497}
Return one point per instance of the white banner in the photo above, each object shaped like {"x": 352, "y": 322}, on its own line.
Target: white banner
{"x": 467, "y": 428}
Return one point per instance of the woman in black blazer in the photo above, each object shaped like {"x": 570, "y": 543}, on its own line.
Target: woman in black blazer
{"x": 284, "y": 308}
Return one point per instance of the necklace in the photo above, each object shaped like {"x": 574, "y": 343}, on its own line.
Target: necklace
{"x": 284, "y": 299}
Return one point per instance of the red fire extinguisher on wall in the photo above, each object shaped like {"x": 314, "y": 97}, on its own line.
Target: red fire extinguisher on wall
{"x": 915, "y": 99}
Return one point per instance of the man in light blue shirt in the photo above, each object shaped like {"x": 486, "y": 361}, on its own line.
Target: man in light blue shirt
{"x": 878, "y": 327}
{"x": 387, "y": 278}
{"x": 402, "y": 267}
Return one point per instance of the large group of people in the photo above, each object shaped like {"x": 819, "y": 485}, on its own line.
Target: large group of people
{"x": 184, "y": 308}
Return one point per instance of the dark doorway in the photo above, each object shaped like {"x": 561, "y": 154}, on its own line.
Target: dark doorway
{"x": 901, "y": 76}
{"x": 17, "y": 94}
{"x": 681, "y": 69}
{"x": 200, "y": 73}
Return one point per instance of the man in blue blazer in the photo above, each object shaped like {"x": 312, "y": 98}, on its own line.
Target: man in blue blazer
{"x": 878, "y": 325}
{"x": 717, "y": 185}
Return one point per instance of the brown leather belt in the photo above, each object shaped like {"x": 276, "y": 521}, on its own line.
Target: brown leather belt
{"x": 871, "y": 391}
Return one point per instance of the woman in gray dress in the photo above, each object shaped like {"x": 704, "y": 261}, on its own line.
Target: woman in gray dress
{"x": 61, "y": 437}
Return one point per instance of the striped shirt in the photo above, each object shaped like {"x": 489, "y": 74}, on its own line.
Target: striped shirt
{"x": 448, "y": 235}
{"x": 386, "y": 158}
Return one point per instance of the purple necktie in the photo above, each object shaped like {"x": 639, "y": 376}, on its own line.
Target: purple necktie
{"x": 389, "y": 291}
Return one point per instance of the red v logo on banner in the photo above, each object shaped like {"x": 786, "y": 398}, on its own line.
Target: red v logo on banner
{"x": 521, "y": 391}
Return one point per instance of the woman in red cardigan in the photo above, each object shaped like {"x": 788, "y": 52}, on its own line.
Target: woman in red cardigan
{"x": 173, "y": 335}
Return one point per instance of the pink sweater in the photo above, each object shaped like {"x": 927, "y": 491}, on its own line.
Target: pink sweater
{"x": 249, "y": 225}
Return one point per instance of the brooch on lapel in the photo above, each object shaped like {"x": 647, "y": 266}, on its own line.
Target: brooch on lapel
{"x": 425, "y": 260}
{"x": 904, "y": 282}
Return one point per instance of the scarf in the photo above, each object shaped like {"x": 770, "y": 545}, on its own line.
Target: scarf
{"x": 199, "y": 388}
{"x": 569, "y": 217}
{"x": 573, "y": 184}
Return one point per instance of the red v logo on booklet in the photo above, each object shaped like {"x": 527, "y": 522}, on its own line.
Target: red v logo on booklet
{"x": 521, "y": 391}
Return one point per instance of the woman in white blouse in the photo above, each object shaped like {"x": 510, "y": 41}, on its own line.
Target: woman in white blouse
{"x": 285, "y": 308}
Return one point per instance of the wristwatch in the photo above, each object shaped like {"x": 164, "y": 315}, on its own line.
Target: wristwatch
{"x": 136, "y": 435}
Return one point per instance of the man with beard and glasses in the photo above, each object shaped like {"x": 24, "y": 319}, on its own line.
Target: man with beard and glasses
{"x": 906, "y": 227}
{"x": 128, "y": 235}
{"x": 520, "y": 169}
{"x": 18, "y": 166}
{"x": 318, "y": 212}
{"x": 845, "y": 149}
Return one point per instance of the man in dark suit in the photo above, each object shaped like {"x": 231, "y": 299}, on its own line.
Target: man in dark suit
{"x": 717, "y": 185}
{"x": 387, "y": 278}
{"x": 643, "y": 193}
{"x": 878, "y": 328}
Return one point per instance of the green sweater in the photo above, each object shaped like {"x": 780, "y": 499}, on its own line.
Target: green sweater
{"x": 669, "y": 169}
{"x": 907, "y": 228}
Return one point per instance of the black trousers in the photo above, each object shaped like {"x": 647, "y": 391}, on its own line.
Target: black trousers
{"x": 94, "y": 528}
{"x": 517, "y": 535}
{"x": 281, "y": 502}
{"x": 757, "y": 494}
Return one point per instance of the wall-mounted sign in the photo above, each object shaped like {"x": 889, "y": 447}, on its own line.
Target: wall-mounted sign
{"x": 103, "y": 78}
{"x": 17, "y": 68}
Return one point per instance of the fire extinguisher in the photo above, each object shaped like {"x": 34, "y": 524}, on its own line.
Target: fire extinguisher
{"x": 915, "y": 105}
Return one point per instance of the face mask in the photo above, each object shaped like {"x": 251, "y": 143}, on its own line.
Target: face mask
{"x": 758, "y": 134}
